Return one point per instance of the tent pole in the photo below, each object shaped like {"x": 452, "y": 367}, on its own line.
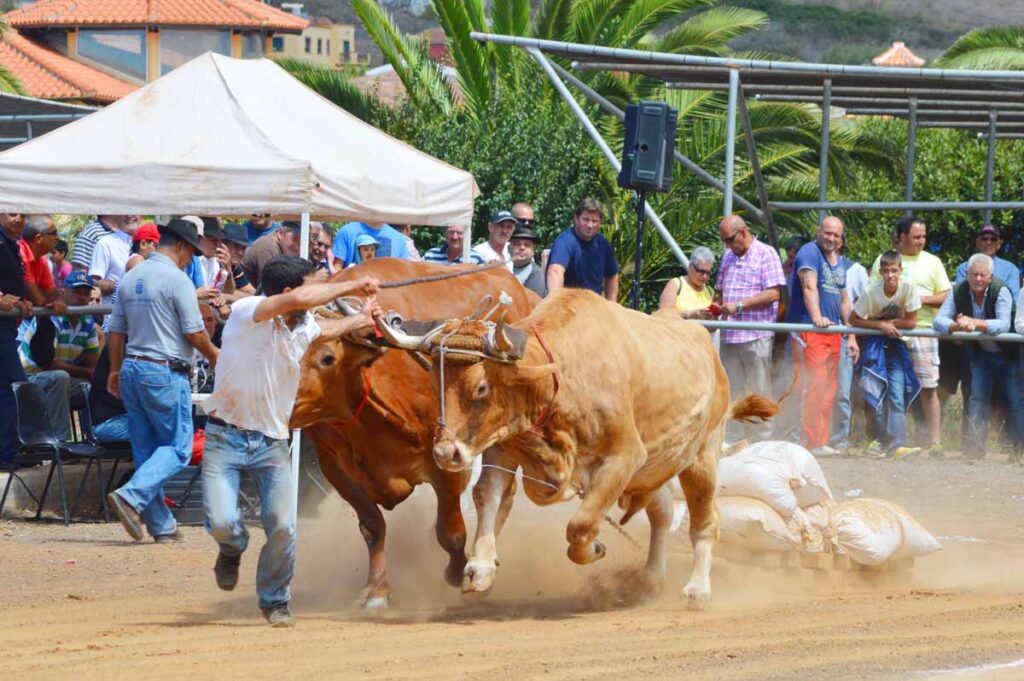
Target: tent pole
{"x": 467, "y": 241}
{"x": 908, "y": 189}
{"x": 581, "y": 115}
{"x": 826, "y": 129}
{"x": 297, "y": 433}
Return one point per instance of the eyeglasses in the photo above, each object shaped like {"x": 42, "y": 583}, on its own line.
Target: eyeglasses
{"x": 53, "y": 233}
{"x": 526, "y": 222}
{"x": 988, "y": 238}
{"x": 729, "y": 239}
{"x": 706, "y": 273}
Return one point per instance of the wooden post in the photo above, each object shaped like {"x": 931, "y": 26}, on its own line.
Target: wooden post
{"x": 152, "y": 55}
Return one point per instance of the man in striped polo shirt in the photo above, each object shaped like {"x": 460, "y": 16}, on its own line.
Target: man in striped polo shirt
{"x": 86, "y": 240}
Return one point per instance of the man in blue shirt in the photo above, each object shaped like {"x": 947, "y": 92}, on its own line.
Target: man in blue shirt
{"x": 392, "y": 242}
{"x": 990, "y": 241}
{"x": 818, "y": 296}
{"x": 259, "y": 225}
{"x": 157, "y": 311}
{"x": 581, "y": 256}
{"x": 450, "y": 252}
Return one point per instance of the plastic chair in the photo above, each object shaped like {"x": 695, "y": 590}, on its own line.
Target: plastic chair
{"x": 114, "y": 451}
{"x": 38, "y": 443}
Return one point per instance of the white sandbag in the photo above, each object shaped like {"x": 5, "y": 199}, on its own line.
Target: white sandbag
{"x": 815, "y": 528}
{"x": 753, "y": 524}
{"x": 873, "y": 531}
{"x": 781, "y": 474}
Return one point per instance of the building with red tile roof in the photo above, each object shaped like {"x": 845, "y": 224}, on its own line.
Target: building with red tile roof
{"x": 96, "y": 51}
{"x": 898, "y": 55}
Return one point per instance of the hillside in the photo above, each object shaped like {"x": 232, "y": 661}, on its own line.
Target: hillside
{"x": 958, "y": 13}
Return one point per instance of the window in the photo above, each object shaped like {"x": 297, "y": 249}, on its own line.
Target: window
{"x": 278, "y": 43}
{"x": 179, "y": 45}
{"x": 309, "y": 43}
{"x": 327, "y": 49}
{"x": 253, "y": 45}
{"x": 319, "y": 46}
{"x": 56, "y": 39}
{"x": 121, "y": 50}
{"x": 345, "y": 48}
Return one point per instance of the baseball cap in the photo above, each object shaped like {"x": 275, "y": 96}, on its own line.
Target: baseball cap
{"x": 78, "y": 279}
{"x": 146, "y": 232}
{"x": 366, "y": 240}
{"x": 502, "y": 216}
{"x": 990, "y": 229}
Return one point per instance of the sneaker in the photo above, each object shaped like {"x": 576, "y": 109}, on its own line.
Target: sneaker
{"x": 130, "y": 518}
{"x": 875, "y": 450}
{"x": 172, "y": 538}
{"x": 226, "y": 571}
{"x": 824, "y": 450}
{"x": 279, "y": 616}
{"x": 936, "y": 451}
{"x": 905, "y": 452}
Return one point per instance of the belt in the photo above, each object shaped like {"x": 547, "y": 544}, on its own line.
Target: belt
{"x": 151, "y": 360}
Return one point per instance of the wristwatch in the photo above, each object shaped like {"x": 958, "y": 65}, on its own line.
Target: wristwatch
{"x": 739, "y": 306}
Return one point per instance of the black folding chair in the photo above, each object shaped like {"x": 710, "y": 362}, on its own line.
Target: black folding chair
{"x": 114, "y": 451}
{"x": 37, "y": 444}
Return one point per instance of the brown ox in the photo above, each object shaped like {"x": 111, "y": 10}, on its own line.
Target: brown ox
{"x": 590, "y": 399}
{"x": 375, "y": 456}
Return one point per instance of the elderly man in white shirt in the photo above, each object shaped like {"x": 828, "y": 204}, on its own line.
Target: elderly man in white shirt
{"x": 495, "y": 249}
{"x": 109, "y": 258}
{"x": 254, "y": 392}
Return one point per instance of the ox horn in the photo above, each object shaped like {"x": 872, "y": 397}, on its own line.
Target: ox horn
{"x": 399, "y": 339}
{"x": 501, "y": 342}
{"x": 349, "y": 307}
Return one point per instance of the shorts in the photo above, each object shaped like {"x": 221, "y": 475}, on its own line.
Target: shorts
{"x": 924, "y": 353}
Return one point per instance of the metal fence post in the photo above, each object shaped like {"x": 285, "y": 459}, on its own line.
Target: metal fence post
{"x": 730, "y": 141}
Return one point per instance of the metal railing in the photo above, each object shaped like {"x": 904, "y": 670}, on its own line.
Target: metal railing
{"x": 72, "y": 310}
{"x": 839, "y": 329}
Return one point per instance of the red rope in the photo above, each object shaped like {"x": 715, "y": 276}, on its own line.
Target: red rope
{"x": 362, "y": 402}
{"x": 549, "y": 410}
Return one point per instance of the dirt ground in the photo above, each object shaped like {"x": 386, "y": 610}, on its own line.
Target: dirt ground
{"x": 85, "y": 602}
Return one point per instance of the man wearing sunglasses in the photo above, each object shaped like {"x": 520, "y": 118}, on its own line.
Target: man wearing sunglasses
{"x": 750, "y": 283}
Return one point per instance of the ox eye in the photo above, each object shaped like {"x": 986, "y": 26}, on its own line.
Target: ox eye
{"x": 481, "y": 392}
{"x": 327, "y": 360}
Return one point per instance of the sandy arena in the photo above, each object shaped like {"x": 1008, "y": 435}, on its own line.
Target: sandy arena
{"x": 83, "y": 602}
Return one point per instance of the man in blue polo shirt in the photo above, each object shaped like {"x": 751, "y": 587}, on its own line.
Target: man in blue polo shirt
{"x": 581, "y": 256}
{"x": 392, "y": 242}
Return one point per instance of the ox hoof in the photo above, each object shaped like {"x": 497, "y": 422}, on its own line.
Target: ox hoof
{"x": 371, "y": 602}
{"x": 453, "y": 574}
{"x": 697, "y": 597}
{"x": 584, "y": 554}
{"x": 478, "y": 577}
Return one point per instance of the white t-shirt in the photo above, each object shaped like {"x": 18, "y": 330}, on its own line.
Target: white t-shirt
{"x": 874, "y": 304}
{"x": 257, "y": 374}
{"x": 212, "y": 272}
{"x": 109, "y": 258}
{"x": 487, "y": 252}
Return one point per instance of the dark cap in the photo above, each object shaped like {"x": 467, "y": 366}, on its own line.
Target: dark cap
{"x": 990, "y": 229}
{"x": 523, "y": 232}
{"x": 212, "y": 228}
{"x": 184, "y": 230}
{"x": 502, "y": 216}
{"x": 236, "y": 234}
{"x": 78, "y": 279}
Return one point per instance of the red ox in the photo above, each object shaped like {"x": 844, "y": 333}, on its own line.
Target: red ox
{"x": 591, "y": 399}
{"x": 372, "y": 414}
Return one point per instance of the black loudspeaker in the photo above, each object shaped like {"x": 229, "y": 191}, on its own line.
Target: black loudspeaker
{"x": 648, "y": 148}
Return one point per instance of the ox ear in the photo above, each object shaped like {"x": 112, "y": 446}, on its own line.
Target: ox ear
{"x": 531, "y": 374}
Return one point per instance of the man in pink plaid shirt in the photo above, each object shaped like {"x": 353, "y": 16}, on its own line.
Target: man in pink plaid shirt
{"x": 750, "y": 282}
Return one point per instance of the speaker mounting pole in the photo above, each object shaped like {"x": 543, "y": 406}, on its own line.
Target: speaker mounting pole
{"x": 638, "y": 256}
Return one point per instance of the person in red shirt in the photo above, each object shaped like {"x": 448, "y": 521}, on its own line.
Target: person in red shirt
{"x": 37, "y": 240}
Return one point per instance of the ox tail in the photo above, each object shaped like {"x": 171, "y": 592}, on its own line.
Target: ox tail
{"x": 752, "y": 407}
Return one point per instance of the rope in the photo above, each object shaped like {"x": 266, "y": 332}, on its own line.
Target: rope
{"x": 607, "y": 518}
{"x": 441, "y": 277}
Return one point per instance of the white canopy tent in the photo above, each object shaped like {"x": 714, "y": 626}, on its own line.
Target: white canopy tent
{"x": 223, "y": 136}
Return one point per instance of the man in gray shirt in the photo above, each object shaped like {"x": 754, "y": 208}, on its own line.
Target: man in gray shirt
{"x": 157, "y": 310}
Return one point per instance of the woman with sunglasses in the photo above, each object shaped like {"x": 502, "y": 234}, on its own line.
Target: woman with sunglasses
{"x": 690, "y": 295}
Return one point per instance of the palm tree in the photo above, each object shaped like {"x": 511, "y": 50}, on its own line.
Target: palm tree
{"x": 8, "y": 81}
{"x": 998, "y": 48}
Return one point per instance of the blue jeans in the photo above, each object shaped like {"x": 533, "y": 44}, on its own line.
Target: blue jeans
{"x": 891, "y": 416}
{"x": 159, "y": 406}
{"x": 988, "y": 369}
{"x": 113, "y": 429}
{"x": 230, "y": 451}
{"x": 10, "y": 372}
{"x": 56, "y": 386}
{"x": 841, "y": 411}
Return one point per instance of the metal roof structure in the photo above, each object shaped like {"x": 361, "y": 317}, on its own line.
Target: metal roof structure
{"x": 988, "y": 103}
{"x": 24, "y": 118}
